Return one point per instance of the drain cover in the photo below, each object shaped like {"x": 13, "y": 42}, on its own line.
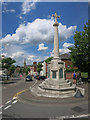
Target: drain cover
{"x": 78, "y": 109}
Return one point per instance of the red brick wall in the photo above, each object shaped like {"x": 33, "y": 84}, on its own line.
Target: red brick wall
{"x": 69, "y": 75}
{"x": 34, "y": 63}
{"x": 35, "y": 68}
{"x": 68, "y": 63}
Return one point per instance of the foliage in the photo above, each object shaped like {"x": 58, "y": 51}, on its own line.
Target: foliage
{"x": 22, "y": 70}
{"x": 7, "y": 63}
{"x": 48, "y": 59}
{"x": 12, "y": 69}
{"x": 39, "y": 67}
{"x": 27, "y": 70}
{"x": 84, "y": 74}
{"x": 79, "y": 52}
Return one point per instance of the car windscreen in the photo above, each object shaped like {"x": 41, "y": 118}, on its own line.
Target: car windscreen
{"x": 28, "y": 76}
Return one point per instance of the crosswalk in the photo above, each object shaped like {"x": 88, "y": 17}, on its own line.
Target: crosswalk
{"x": 7, "y": 105}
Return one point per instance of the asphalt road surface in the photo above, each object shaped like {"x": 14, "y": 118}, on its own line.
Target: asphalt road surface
{"x": 13, "y": 108}
{"x": 9, "y": 90}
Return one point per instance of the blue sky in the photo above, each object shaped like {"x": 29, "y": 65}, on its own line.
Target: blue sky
{"x": 27, "y": 28}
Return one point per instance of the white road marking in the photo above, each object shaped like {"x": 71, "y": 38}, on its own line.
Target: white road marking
{"x": 8, "y": 102}
{"x": 70, "y": 116}
{"x": 1, "y": 106}
{"x": 14, "y": 98}
{"x": 83, "y": 115}
{"x": 0, "y": 113}
{"x": 7, "y": 107}
{"x": 14, "y": 102}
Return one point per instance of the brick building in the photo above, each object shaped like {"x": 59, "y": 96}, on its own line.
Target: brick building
{"x": 33, "y": 68}
{"x": 66, "y": 58}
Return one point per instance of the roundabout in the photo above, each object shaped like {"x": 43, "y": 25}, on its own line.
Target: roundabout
{"x": 27, "y": 97}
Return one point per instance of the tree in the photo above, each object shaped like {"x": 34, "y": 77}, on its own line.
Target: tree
{"x": 39, "y": 67}
{"x": 48, "y": 59}
{"x": 79, "y": 52}
{"x": 12, "y": 69}
{"x": 27, "y": 70}
{"x": 7, "y": 63}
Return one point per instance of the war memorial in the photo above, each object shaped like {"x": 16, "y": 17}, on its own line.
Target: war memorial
{"x": 55, "y": 86}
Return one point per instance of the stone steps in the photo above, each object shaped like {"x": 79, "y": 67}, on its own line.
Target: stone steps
{"x": 49, "y": 93}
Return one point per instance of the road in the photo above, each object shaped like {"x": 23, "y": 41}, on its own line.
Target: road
{"x": 9, "y": 90}
{"x": 13, "y": 108}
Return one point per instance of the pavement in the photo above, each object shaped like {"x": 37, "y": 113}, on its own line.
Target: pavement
{"x": 10, "y": 81}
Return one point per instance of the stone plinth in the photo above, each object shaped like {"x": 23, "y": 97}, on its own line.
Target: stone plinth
{"x": 56, "y": 69}
{"x": 54, "y": 89}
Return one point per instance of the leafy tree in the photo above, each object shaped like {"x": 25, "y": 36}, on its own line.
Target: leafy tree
{"x": 27, "y": 70}
{"x": 39, "y": 67}
{"x": 79, "y": 52}
{"x": 48, "y": 59}
{"x": 12, "y": 69}
{"x": 21, "y": 71}
{"x": 7, "y": 62}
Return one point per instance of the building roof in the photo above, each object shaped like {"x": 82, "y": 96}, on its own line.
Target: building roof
{"x": 65, "y": 56}
{"x": 31, "y": 65}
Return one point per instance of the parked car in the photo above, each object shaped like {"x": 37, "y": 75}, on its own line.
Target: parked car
{"x": 4, "y": 77}
{"x": 29, "y": 78}
{"x": 42, "y": 78}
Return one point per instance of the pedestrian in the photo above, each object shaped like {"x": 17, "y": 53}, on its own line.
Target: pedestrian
{"x": 79, "y": 79}
{"x": 74, "y": 77}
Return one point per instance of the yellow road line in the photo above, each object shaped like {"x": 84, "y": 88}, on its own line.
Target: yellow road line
{"x": 19, "y": 93}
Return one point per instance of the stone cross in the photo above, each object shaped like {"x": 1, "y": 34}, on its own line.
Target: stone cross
{"x": 55, "y": 15}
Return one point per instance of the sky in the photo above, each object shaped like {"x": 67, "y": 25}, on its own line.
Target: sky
{"x": 28, "y": 32}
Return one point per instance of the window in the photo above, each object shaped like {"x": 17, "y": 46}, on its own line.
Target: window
{"x": 68, "y": 66}
{"x": 60, "y": 73}
{"x": 54, "y": 74}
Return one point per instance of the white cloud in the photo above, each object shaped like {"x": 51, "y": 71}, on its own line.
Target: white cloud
{"x": 27, "y": 6}
{"x": 64, "y": 49}
{"x": 42, "y": 47}
{"x": 5, "y": 10}
{"x": 61, "y": 51}
{"x": 20, "y": 17}
{"x": 5, "y": 54}
{"x": 18, "y": 53}
{"x": 19, "y": 56}
{"x": 40, "y": 30}
{"x": 65, "y": 45}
